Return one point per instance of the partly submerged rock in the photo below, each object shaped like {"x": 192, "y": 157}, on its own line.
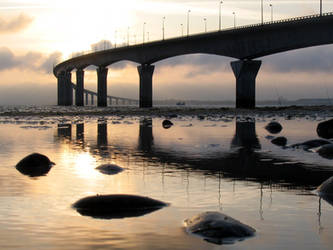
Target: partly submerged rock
{"x": 326, "y": 151}
{"x": 117, "y": 206}
{"x": 280, "y": 141}
{"x": 217, "y": 228}
{"x": 311, "y": 144}
{"x": 34, "y": 165}
{"x": 167, "y": 124}
{"x": 325, "y": 129}
{"x": 273, "y": 127}
{"x": 109, "y": 169}
{"x": 325, "y": 190}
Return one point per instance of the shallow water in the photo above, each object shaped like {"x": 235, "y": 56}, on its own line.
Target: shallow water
{"x": 225, "y": 164}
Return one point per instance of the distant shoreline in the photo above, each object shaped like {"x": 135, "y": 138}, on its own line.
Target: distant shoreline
{"x": 44, "y": 111}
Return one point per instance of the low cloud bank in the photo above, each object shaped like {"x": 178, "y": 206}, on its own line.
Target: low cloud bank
{"x": 15, "y": 25}
{"x": 30, "y": 61}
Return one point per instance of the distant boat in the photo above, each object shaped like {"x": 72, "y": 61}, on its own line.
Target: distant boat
{"x": 180, "y": 103}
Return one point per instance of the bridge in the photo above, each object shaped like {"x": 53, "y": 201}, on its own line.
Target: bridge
{"x": 245, "y": 43}
{"x": 79, "y": 99}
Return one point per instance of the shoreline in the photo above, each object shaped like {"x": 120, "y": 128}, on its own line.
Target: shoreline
{"x": 164, "y": 111}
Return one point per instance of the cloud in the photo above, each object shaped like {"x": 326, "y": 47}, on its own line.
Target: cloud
{"x": 49, "y": 62}
{"x": 30, "y": 61}
{"x": 101, "y": 45}
{"x": 315, "y": 59}
{"x": 14, "y": 25}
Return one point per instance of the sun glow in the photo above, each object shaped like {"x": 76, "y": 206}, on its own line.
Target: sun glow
{"x": 75, "y": 25}
{"x": 85, "y": 166}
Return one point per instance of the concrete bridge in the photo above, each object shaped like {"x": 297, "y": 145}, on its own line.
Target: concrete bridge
{"x": 244, "y": 43}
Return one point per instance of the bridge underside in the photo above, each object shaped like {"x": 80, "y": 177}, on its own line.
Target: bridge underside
{"x": 245, "y": 72}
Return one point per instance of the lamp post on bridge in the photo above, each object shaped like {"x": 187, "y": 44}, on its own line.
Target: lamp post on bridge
{"x": 205, "y": 21}
{"x": 115, "y": 39}
{"x": 188, "y": 22}
{"x": 234, "y": 19}
{"x": 262, "y": 12}
{"x": 143, "y": 34}
{"x": 128, "y": 29}
{"x": 163, "y": 20}
{"x": 220, "y": 14}
{"x": 271, "y": 5}
{"x": 321, "y": 7}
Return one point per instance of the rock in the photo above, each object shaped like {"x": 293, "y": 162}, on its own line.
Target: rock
{"x": 325, "y": 190}
{"x": 325, "y": 129}
{"x": 167, "y": 124}
{"x": 311, "y": 144}
{"x": 280, "y": 141}
{"x": 109, "y": 169}
{"x": 173, "y": 116}
{"x": 217, "y": 227}
{"x": 273, "y": 127}
{"x": 34, "y": 165}
{"x": 326, "y": 151}
{"x": 117, "y": 206}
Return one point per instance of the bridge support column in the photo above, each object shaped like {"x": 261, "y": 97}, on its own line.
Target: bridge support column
{"x": 246, "y": 72}
{"x": 79, "y": 88}
{"x": 68, "y": 89}
{"x": 102, "y": 74}
{"x": 61, "y": 88}
{"x": 87, "y": 99}
{"x": 92, "y": 99}
{"x": 146, "y": 85}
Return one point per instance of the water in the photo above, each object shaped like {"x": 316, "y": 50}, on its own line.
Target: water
{"x": 222, "y": 164}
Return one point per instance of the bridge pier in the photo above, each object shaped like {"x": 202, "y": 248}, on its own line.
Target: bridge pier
{"x": 102, "y": 74}
{"x": 61, "y": 88}
{"x": 92, "y": 99}
{"x": 246, "y": 72}
{"x": 87, "y": 99}
{"x": 146, "y": 85}
{"x": 79, "y": 87}
{"x": 68, "y": 96}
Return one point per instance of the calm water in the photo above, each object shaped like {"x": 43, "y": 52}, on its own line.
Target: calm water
{"x": 223, "y": 164}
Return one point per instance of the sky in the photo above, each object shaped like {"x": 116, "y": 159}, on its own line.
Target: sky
{"x": 37, "y": 34}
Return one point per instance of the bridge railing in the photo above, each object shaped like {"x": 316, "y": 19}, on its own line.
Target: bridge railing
{"x": 299, "y": 18}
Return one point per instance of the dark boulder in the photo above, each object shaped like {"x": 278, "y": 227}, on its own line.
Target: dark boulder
{"x": 280, "y": 141}
{"x": 325, "y": 129}
{"x": 217, "y": 228}
{"x": 326, "y": 151}
{"x": 109, "y": 169}
{"x": 34, "y": 165}
{"x": 273, "y": 127}
{"x": 117, "y": 206}
{"x": 311, "y": 144}
{"x": 325, "y": 190}
{"x": 167, "y": 124}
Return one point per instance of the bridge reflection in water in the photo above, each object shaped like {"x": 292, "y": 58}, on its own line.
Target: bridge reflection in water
{"x": 244, "y": 160}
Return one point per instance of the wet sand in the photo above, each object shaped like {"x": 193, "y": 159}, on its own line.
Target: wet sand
{"x": 288, "y": 111}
